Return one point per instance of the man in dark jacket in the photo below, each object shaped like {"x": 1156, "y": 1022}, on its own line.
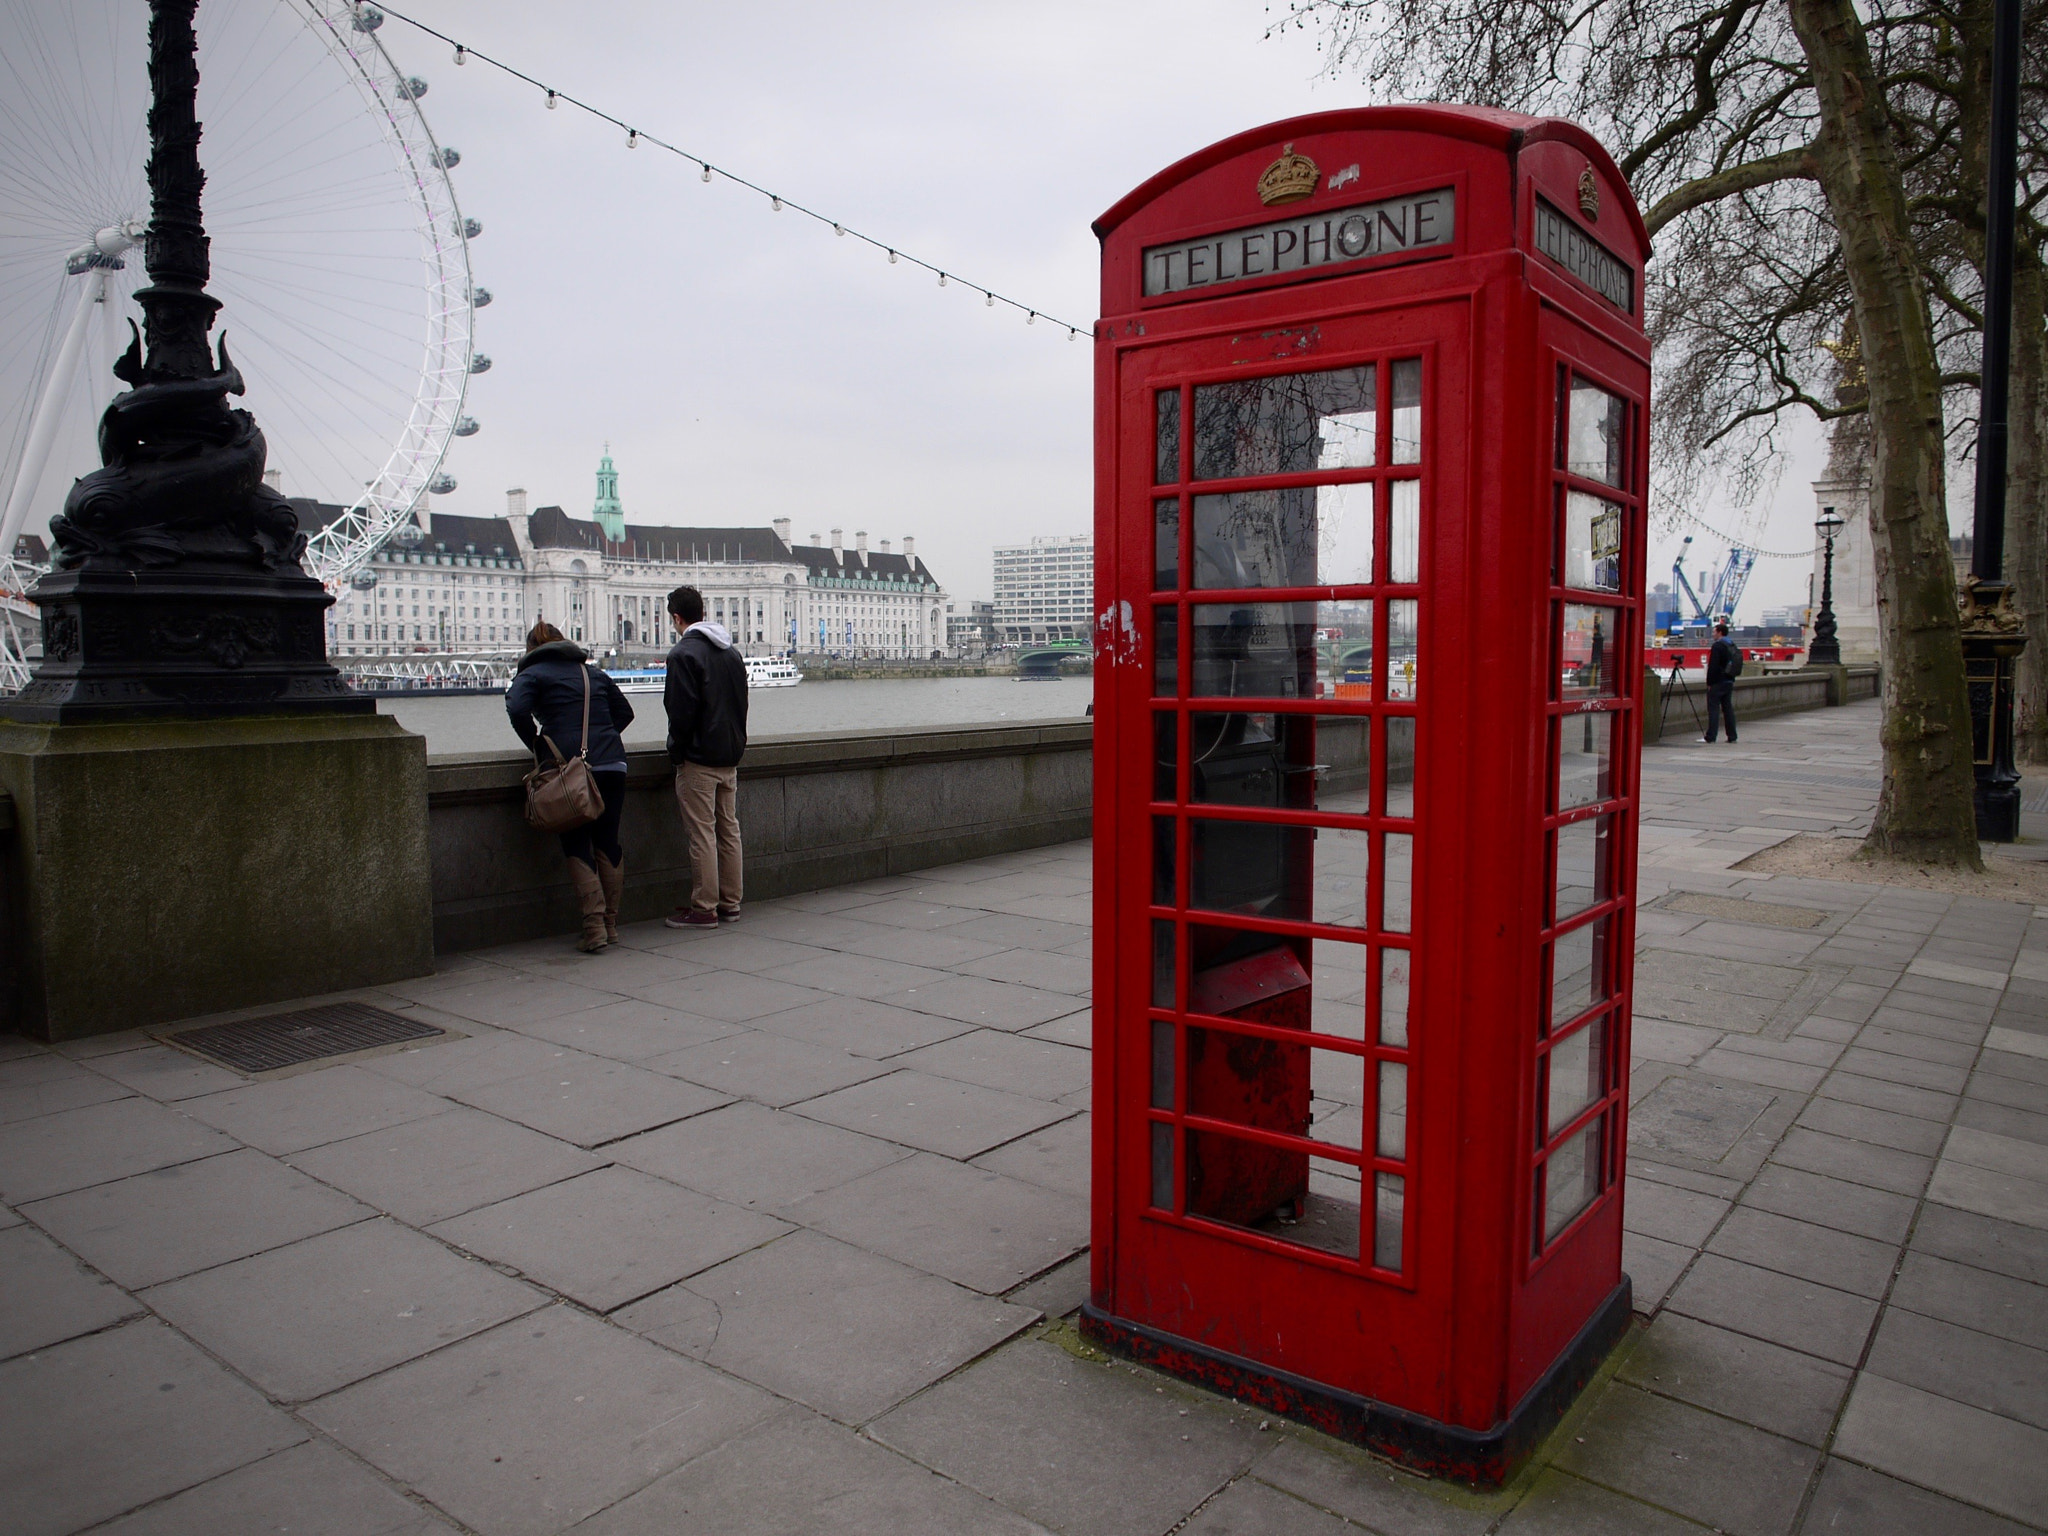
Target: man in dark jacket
{"x": 706, "y": 700}
{"x": 1724, "y": 664}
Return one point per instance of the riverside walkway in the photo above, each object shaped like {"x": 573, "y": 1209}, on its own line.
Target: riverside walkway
{"x": 777, "y": 1228}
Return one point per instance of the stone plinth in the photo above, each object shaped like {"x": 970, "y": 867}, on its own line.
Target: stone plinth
{"x": 160, "y": 869}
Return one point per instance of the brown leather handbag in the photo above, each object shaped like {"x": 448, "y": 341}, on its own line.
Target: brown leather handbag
{"x": 562, "y": 796}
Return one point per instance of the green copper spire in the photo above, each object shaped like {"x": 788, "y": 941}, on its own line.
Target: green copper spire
{"x": 610, "y": 515}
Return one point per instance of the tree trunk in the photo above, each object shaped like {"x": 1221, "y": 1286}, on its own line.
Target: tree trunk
{"x": 2026, "y": 504}
{"x": 1925, "y": 812}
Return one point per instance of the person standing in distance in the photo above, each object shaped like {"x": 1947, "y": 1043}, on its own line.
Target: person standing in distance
{"x": 1724, "y": 665}
{"x": 706, "y": 700}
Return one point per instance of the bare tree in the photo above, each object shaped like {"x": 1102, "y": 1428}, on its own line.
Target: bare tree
{"x": 1741, "y": 163}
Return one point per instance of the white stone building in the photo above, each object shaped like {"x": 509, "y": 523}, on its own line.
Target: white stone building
{"x": 477, "y": 584}
{"x": 1045, "y": 590}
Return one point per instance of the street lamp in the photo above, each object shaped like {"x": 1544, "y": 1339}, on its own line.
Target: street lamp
{"x": 1826, "y": 650}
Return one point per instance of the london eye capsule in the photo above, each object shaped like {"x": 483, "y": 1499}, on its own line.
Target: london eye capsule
{"x": 469, "y": 229}
{"x": 441, "y": 484}
{"x": 468, "y": 426}
{"x": 480, "y": 362}
{"x": 363, "y": 580}
{"x": 407, "y": 534}
{"x": 479, "y": 298}
{"x": 412, "y": 88}
{"x": 367, "y": 18}
{"x": 449, "y": 157}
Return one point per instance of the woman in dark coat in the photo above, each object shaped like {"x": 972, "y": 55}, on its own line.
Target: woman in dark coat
{"x": 546, "y": 699}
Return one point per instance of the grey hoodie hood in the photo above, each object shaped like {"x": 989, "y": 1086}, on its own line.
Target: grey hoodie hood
{"x": 717, "y": 634}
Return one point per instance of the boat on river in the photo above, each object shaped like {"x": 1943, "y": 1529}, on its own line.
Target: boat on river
{"x": 762, "y": 672}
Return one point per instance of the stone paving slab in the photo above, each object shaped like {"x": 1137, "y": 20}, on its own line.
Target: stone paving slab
{"x": 776, "y": 1228}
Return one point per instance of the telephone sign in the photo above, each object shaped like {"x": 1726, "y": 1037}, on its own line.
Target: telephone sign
{"x": 1370, "y": 458}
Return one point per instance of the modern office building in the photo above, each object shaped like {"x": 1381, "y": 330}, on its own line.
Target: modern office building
{"x": 1045, "y": 590}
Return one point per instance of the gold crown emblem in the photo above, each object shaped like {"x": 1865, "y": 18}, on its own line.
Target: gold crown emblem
{"x": 1288, "y": 179}
{"x": 1589, "y": 194}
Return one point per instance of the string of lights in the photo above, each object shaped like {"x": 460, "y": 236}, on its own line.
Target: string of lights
{"x": 635, "y": 137}
{"x": 1762, "y": 554}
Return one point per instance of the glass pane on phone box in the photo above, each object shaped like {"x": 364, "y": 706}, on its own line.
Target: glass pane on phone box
{"x": 1165, "y": 755}
{"x": 1162, "y": 1167}
{"x": 1594, "y": 438}
{"x": 1162, "y": 1065}
{"x": 1337, "y": 1099}
{"x": 1163, "y": 968}
{"x": 1403, "y": 623}
{"x": 1585, "y": 759}
{"x": 1395, "y": 965}
{"x": 1578, "y": 966}
{"x": 1389, "y": 1207}
{"x": 1251, "y": 867}
{"x": 1583, "y": 862}
{"x": 1166, "y": 466}
{"x": 1344, "y": 532}
{"x": 1292, "y": 1196}
{"x": 1400, "y": 733}
{"x": 1166, "y": 544}
{"x": 1337, "y": 973}
{"x": 1592, "y": 542}
{"x": 1344, "y": 649}
{"x": 1165, "y": 652}
{"x": 1288, "y": 761}
{"x": 1576, "y": 1074}
{"x": 1286, "y": 424}
{"x": 1254, "y": 650}
{"x": 1408, "y": 411}
{"x": 1404, "y": 531}
{"x": 1397, "y": 901}
{"x": 1571, "y": 1179}
{"x": 1587, "y": 669}
{"x": 1343, "y": 869}
{"x": 1256, "y": 539}
{"x": 1393, "y": 1110}
{"x": 1164, "y": 861}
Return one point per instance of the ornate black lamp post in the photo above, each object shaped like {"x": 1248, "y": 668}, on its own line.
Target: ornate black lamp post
{"x": 1826, "y": 650}
{"x": 1992, "y": 631}
{"x": 177, "y": 588}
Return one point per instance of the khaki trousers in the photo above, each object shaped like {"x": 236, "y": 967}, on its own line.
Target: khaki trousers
{"x": 711, "y": 816}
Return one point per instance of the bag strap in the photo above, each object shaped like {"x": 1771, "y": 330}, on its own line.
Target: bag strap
{"x": 560, "y": 761}
{"x": 584, "y": 749}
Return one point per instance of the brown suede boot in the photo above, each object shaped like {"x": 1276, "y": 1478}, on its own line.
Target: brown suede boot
{"x": 590, "y": 897}
{"x": 613, "y": 878}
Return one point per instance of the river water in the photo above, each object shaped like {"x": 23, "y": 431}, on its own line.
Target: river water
{"x": 478, "y": 724}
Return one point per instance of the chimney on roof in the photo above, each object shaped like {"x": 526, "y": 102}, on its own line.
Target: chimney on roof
{"x": 781, "y": 526}
{"x": 515, "y": 502}
{"x": 274, "y": 478}
{"x": 860, "y": 541}
{"x": 817, "y": 541}
{"x": 838, "y": 546}
{"x": 885, "y": 546}
{"x": 910, "y": 550}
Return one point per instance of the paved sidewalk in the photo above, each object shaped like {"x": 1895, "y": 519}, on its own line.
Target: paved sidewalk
{"x": 774, "y": 1229}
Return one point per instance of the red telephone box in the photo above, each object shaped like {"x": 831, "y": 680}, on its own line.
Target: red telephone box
{"x": 1371, "y": 400}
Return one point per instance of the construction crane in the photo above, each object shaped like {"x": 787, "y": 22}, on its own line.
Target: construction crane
{"x": 1726, "y": 592}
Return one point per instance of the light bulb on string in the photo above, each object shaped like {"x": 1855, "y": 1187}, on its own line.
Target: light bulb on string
{"x": 892, "y": 258}
{"x": 1031, "y": 318}
{"x": 461, "y": 54}
{"x": 775, "y": 203}
{"x": 942, "y": 279}
{"x": 707, "y": 169}
{"x": 988, "y": 300}
{"x": 551, "y": 101}
{"x": 838, "y": 229}
{"x": 1072, "y": 334}
{"x": 632, "y": 138}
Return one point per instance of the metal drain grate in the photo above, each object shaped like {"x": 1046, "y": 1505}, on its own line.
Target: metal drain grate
{"x": 291, "y": 1039}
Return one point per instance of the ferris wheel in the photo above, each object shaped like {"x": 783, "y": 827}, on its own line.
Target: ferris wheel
{"x": 340, "y": 256}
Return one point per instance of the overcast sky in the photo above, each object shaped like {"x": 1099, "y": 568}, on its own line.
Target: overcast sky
{"x": 746, "y": 365}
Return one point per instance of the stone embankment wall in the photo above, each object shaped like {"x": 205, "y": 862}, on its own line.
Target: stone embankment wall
{"x": 814, "y": 811}
{"x": 1680, "y": 709}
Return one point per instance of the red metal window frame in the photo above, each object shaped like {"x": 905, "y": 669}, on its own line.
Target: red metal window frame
{"x": 1371, "y": 940}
